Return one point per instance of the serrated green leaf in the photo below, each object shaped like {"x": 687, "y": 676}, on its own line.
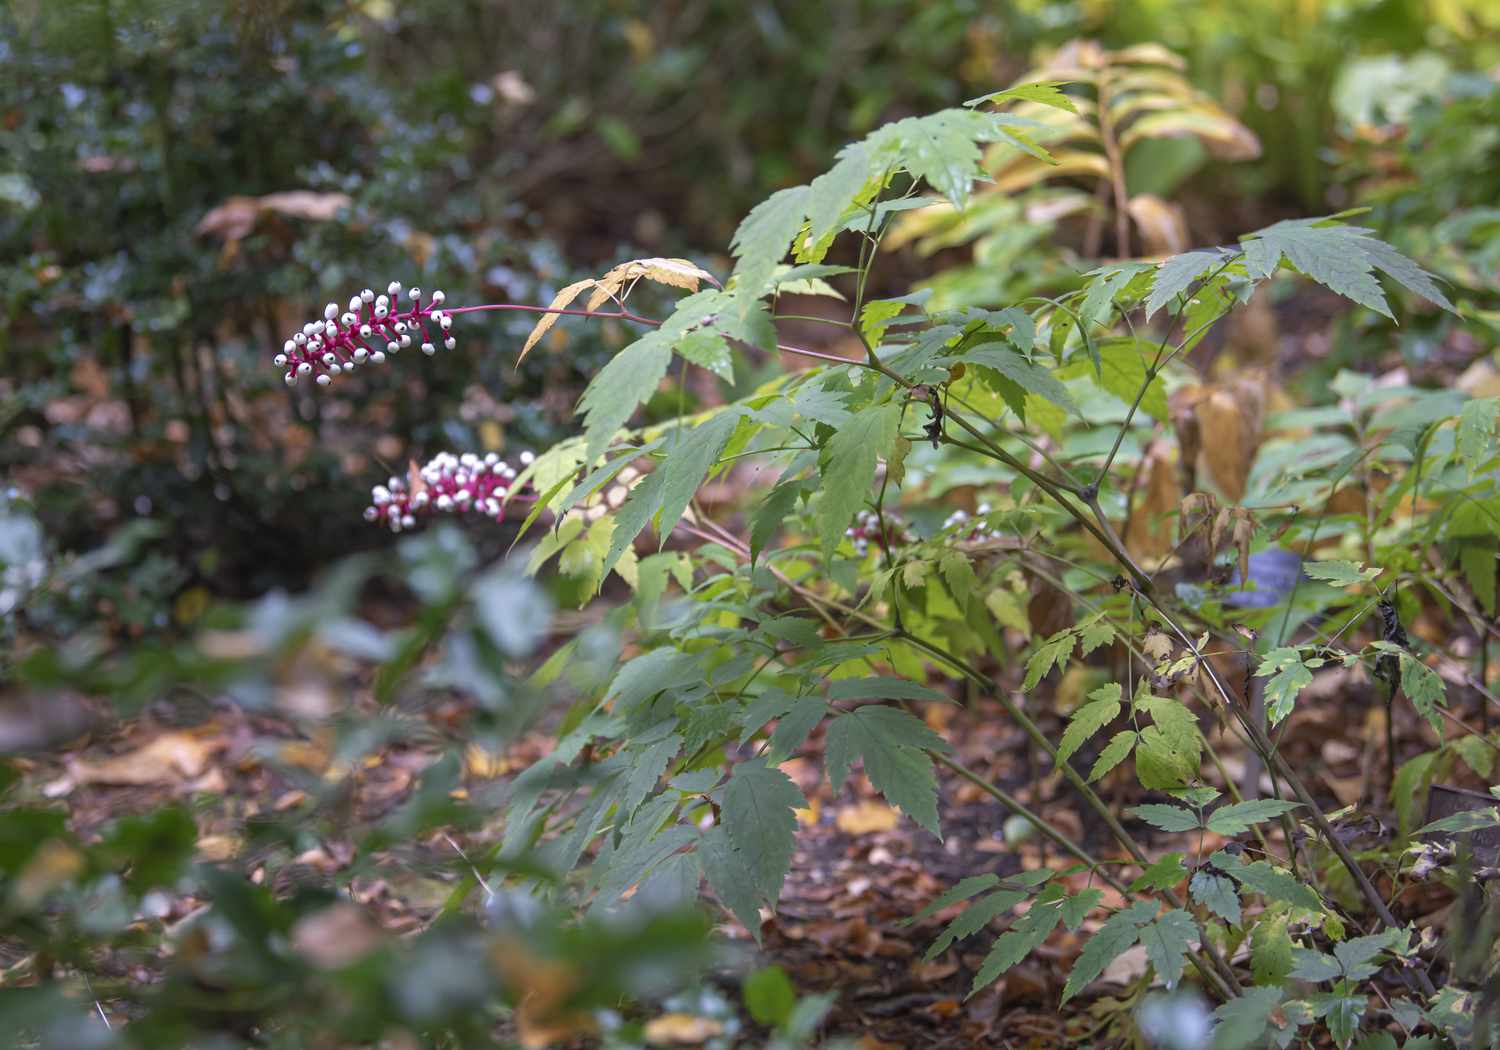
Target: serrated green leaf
{"x": 941, "y": 148}
{"x": 1342, "y": 258}
{"x": 1177, "y": 274}
{"x": 1161, "y": 875}
{"x": 729, "y": 877}
{"x": 1217, "y": 894}
{"x": 1104, "y": 286}
{"x": 1088, "y": 720}
{"x": 707, "y": 348}
{"x": 1425, "y": 689}
{"x": 1119, "y": 932}
{"x": 757, "y": 806}
{"x": 885, "y": 687}
{"x": 879, "y": 314}
{"x": 890, "y": 741}
{"x": 647, "y": 766}
{"x": 1166, "y": 818}
{"x": 770, "y": 513}
{"x": 1271, "y": 949}
{"x": 850, "y": 182}
{"x": 1243, "y": 1019}
{"x": 962, "y": 891}
{"x": 1310, "y": 965}
{"x": 1269, "y": 881}
{"x": 1458, "y": 823}
{"x": 762, "y": 240}
{"x": 1167, "y": 941}
{"x": 794, "y": 728}
{"x": 1113, "y": 754}
{"x": 1025, "y": 935}
{"x": 1076, "y": 908}
{"x": 1032, "y": 378}
{"x": 975, "y": 918}
{"x": 848, "y": 468}
{"x": 626, "y": 380}
{"x": 1356, "y": 955}
{"x": 1051, "y": 653}
{"x": 1233, "y": 819}
{"x": 1094, "y": 632}
{"x": 1477, "y": 560}
{"x": 1123, "y": 366}
{"x": 1288, "y": 676}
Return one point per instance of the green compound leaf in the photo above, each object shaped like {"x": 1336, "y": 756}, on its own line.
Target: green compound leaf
{"x": 1102, "y": 709}
{"x": 1119, "y": 932}
{"x": 892, "y": 744}
{"x": 1234, "y": 819}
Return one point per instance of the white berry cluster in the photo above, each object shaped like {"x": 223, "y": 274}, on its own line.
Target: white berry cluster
{"x": 448, "y": 484}
{"x": 866, "y": 529}
{"x": 966, "y": 529}
{"x": 373, "y": 327}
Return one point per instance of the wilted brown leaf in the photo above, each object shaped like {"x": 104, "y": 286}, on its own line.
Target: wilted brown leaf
{"x": 1163, "y": 226}
{"x": 233, "y": 220}
{"x": 676, "y": 273}
{"x": 169, "y": 758}
{"x": 559, "y": 301}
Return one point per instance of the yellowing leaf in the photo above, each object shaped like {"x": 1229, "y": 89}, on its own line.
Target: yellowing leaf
{"x": 677, "y": 273}
{"x": 559, "y": 301}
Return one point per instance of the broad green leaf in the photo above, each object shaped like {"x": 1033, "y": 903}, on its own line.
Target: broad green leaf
{"x": 975, "y": 918}
{"x": 1114, "y": 753}
{"x": 1425, "y": 689}
{"x": 1167, "y": 818}
{"x": 757, "y": 806}
{"x": 1167, "y": 941}
{"x": 848, "y": 468}
{"x": 1103, "y": 288}
{"x": 1089, "y": 719}
{"x": 884, "y": 687}
{"x": 1342, "y": 258}
{"x": 1162, "y": 875}
{"x": 1458, "y": 823}
{"x": 1356, "y": 955}
{"x": 769, "y": 996}
{"x": 1288, "y": 676}
{"x": 962, "y": 891}
{"x": 1233, "y": 819}
{"x": 1217, "y": 894}
{"x": 1123, "y": 366}
{"x": 1310, "y": 965}
{"x": 1339, "y": 573}
{"x": 1119, "y": 932}
{"x": 1243, "y": 1020}
{"x": 762, "y": 240}
{"x": 891, "y": 742}
{"x": 1025, "y": 935}
{"x": 1274, "y": 883}
{"x": 941, "y": 148}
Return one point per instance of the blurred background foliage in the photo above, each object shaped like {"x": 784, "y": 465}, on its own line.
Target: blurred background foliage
{"x": 182, "y": 182}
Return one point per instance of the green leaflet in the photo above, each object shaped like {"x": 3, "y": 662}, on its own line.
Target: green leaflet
{"x": 941, "y": 148}
{"x": 1243, "y": 1020}
{"x": 757, "y": 806}
{"x": 1006, "y": 363}
{"x": 1119, "y": 932}
{"x": 1177, "y": 274}
{"x": 1425, "y": 689}
{"x": 729, "y": 877}
{"x": 707, "y": 348}
{"x": 1476, "y": 431}
{"x": 1272, "y": 882}
{"x": 1342, "y": 258}
{"x": 884, "y": 687}
{"x": 646, "y": 769}
{"x": 761, "y": 242}
{"x": 848, "y": 468}
{"x": 1044, "y": 91}
{"x": 892, "y": 744}
{"x": 1217, "y": 894}
{"x": 1288, "y": 676}
{"x": 1103, "y": 708}
{"x": 1167, "y": 942}
{"x": 851, "y": 181}
{"x": 1271, "y": 949}
{"x": 664, "y": 494}
{"x": 962, "y": 891}
{"x": 975, "y": 918}
{"x": 794, "y": 727}
{"x": 1166, "y": 818}
{"x": 1339, "y": 573}
{"x": 1114, "y": 753}
{"x": 1025, "y": 935}
{"x": 1051, "y": 653}
{"x": 1162, "y": 875}
{"x": 1233, "y": 819}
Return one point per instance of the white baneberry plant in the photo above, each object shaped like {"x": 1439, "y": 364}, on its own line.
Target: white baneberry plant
{"x": 821, "y": 606}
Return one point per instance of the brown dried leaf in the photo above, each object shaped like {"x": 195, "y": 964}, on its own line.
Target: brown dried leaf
{"x": 236, "y": 217}
{"x": 868, "y": 817}
{"x": 169, "y": 758}
{"x": 1163, "y": 226}
{"x": 676, "y": 273}
{"x": 559, "y": 301}
{"x": 682, "y": 1029}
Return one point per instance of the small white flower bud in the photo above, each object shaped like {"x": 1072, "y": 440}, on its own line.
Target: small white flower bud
{"x": 330, "y": 311}
{"x": 304, "y": 369}
{"x": 491, "y": 458}
{"x": 420, "y": 500}
{"x": 394, "y": 288}
{"x": 463, "y": 495}
{"x": 367, "y": 296}
{"x": 450, "y": 342}
{"x": 291, "y": 378}
{"x": 355, "y": 304}
{"x": 377, "y": 358}
{"x": 324, "y": 380}
{"x": 438, "y": 298}
{"x": 371, "y": 514}
{"x": 428, "y": 349}
{"x": 279, "y": 360}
